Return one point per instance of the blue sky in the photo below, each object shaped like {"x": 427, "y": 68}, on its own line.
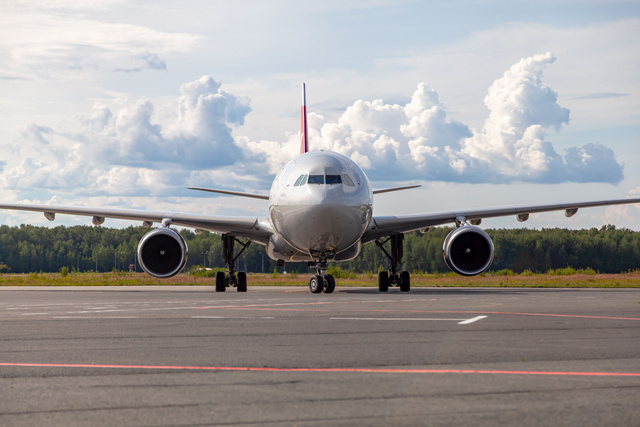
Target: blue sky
{"x": 125, "y": 103}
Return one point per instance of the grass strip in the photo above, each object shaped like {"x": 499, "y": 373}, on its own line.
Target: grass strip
{"x": 623, "y": 280}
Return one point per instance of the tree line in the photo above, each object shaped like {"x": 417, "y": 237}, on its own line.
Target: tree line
{"x": 607, "y": 249}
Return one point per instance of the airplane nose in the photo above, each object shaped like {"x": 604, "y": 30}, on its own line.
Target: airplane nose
{"x": 331, "y": 227}
{"x": 325, "y": 195}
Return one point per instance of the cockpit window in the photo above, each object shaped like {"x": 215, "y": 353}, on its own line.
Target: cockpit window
{"x": 322, "y": 179}
{"x": 347, "y": 180}
{"x": 316, "y": 179}
{"x": 334, "y": 179}
{"x": 302, "y": 179}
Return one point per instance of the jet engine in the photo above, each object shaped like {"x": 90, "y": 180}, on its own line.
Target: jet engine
{"x": 162, "y": 253}
{"x": 468, "y": 250}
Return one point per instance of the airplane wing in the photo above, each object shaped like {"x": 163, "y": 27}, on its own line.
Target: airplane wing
{"x": 255, "y": 229}
{"x": 382, "y": 226}
{"x": 388, "y": 190}
{"x": 232, "y": 193}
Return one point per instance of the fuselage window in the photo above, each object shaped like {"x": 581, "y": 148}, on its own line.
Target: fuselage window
{"x": 300, "y": 181}
{"x": 316, "y": 179}
{"x": 347, "y": 181}
{"x": 334, "y": 179}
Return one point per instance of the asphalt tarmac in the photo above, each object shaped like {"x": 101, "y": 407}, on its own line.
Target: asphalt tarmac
{"x": 187, "y": 356}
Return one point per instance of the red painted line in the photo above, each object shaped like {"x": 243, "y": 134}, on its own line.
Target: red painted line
{"x": 257, "y": 309}
{"x": 327, "y": 370}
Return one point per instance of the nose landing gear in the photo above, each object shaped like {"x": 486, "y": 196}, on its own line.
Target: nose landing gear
{"x": 322, "y": 282}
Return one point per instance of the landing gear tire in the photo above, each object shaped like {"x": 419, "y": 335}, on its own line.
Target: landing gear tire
{"x": 242, "y": 282}
{"x": 316, "y": 284}
{"x": 330, "y": 284}
{"x": 230, "y": 257}
{"x": 221, "y": 282}
{"x": 383, "y": 281}
{"x": 405, "y": 281}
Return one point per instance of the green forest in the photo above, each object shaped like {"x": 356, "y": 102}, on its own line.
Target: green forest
{"x": 27, "y": 249}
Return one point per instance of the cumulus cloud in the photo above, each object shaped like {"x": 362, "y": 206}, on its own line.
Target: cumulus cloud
{"x": 417, "y": 141}
{"x": 122, "y": 148}
{"x": 198, "y": 136}
{"x": 512, "y": 143}
{"x": 47, "y": 159}
{"x": 125, "y": 148}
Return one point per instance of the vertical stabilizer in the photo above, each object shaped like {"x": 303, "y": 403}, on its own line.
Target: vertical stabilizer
{"x": 304, "y": 141}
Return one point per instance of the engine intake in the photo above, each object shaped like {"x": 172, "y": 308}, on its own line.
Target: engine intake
{"x": 468, "y": 250}
{"x": 162, "y": 253}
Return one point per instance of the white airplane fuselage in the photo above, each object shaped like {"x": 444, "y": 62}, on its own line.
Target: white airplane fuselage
{"x": 319, "y": 207}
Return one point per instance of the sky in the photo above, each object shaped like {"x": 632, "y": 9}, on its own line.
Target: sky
{"x": 484, "y": 103}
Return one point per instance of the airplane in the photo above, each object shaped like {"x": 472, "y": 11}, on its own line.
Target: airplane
{"x": 320, "y": 211}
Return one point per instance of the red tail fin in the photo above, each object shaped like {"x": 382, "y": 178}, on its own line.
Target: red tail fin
{"x": 304, "y": 141}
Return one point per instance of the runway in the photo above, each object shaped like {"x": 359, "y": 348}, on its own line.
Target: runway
{"x": 147, "y": 356}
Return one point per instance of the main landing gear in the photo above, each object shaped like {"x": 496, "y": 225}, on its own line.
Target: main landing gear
{"x": 230, "y": 279}
{"x": 322, "y": 282}
{"x": 393, "y": 278}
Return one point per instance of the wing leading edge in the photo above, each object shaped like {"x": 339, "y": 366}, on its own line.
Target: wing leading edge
{"x": 231, "y": 193}
{"x": 382, "y": 226}
{"x": 255, "y": 229}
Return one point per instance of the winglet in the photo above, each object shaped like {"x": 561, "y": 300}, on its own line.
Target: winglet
{"x": 304, "y": 142}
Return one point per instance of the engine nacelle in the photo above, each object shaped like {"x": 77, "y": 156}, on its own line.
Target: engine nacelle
{"x": 162, "y": 253}
{"x": 468, "y": 250}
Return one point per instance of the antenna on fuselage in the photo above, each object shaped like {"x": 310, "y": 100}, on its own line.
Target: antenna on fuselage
{"x": 304, "y": 141}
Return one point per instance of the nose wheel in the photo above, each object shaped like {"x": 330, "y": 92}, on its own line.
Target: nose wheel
{"x": 319, "y": 283}
{"x": 322, "y": 282}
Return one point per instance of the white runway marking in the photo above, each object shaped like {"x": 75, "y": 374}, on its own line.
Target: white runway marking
{"x": 460, "y": 321}
{"x": 475, "y": 319}
{"x": 228, "y": 317}
{"x": 207, "y": 317}
{"x": 93, "y": 318}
